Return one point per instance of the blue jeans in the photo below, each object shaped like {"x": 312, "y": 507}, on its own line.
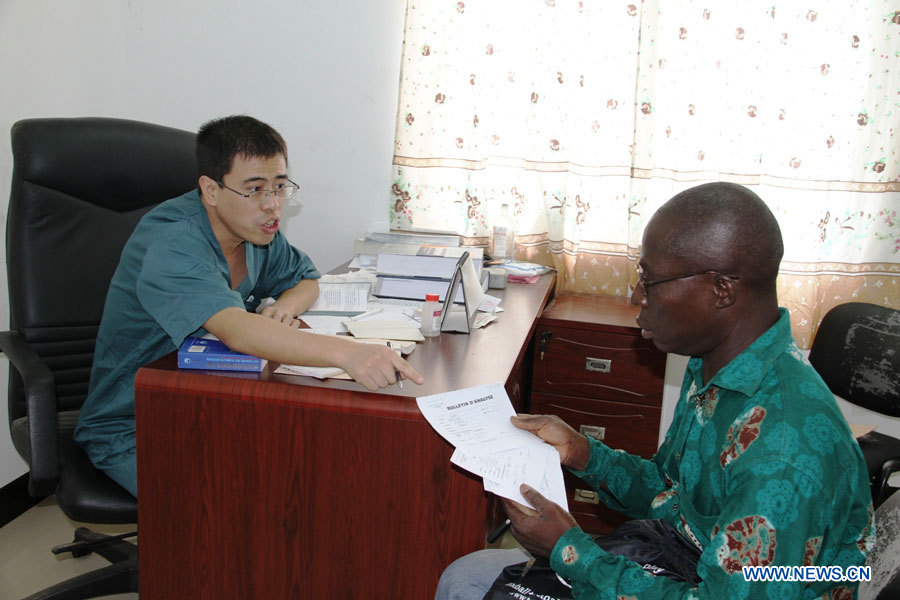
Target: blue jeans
{"x": 470, "y": 577}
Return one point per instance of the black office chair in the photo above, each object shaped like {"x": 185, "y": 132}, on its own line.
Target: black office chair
{"x": 857, "y": 352}
{"x": 79, "y": 187}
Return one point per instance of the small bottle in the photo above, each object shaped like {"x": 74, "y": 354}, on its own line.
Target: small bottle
{"x": 431, "y": 316}
{"x": 503, "y": 236}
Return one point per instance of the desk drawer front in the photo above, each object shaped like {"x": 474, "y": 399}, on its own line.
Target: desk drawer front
{"x": 598, "y": 365}
{"x": 630, "y": 427}
{"x": 592, "y": 515}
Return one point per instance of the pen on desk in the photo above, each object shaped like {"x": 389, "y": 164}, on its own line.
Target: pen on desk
{"x": 495, "y": 534}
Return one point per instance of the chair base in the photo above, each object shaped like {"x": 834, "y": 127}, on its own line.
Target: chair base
{"x": 121, "y": 577}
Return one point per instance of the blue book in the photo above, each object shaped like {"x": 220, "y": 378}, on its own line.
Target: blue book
{"x": 213, "y": 355}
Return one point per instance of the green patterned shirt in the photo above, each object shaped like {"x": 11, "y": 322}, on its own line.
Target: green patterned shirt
{"x": 758, "y": 468}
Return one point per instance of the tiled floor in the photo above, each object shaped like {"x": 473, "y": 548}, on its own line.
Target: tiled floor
{"x": 26, "y": 563}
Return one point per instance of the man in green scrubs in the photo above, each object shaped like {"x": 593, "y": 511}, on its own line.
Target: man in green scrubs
{"x": 204, "y": 261}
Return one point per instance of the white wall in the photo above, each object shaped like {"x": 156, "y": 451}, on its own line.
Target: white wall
{"x": 325, "y": 74}
{"x": 675, "y": 366}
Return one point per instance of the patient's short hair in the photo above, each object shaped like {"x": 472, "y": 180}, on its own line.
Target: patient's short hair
{"x": 726, "y": 227}
{"x": 220, "y": 140}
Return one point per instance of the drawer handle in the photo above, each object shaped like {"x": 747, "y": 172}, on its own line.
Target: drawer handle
{"x": 595, "y": 431}
{"x": 588, "y": 496}
{"x": 600, "y": 365}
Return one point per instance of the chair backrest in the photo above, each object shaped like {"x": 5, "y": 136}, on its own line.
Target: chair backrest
{"x": 857, "y": 352}
{"x": 79, "y": 187}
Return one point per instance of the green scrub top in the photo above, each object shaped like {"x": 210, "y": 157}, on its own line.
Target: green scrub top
{"x": 172, "y": 277}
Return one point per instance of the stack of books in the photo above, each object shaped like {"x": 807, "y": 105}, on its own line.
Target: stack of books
{"x": 210, "y": 354}
{"x": 410, "y": 265}
{"x": 367, "y": 249}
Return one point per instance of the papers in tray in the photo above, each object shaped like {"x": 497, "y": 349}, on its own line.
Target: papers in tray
{"x": 476, "y": 421}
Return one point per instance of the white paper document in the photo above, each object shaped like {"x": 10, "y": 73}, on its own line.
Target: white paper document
{"x": 340, "y": 299}
{"x": 476, "y": 421}
{"x": 482, "y": 319}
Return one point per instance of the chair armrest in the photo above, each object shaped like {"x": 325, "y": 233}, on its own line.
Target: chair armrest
{"x": 883, "y": 489}
{"x": 41, "y": 404}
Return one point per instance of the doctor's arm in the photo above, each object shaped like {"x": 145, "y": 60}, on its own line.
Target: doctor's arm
{"x": 292, "y": 302}
{"x": 372, "y": 365}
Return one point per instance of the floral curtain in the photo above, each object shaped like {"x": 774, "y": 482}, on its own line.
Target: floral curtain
{"x": 585, "y": 116}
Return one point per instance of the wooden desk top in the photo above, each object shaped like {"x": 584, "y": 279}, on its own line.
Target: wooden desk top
{"x": 448, "y": 362}
{"x": 589, "y": 312}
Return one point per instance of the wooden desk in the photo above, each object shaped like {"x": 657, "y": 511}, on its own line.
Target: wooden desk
{"x": 271, "y": 486}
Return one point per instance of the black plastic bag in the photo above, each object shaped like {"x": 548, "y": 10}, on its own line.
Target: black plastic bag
{"x": 653, "y": 544}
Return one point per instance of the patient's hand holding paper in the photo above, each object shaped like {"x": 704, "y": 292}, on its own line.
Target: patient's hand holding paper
{"x": 476, "y": 421}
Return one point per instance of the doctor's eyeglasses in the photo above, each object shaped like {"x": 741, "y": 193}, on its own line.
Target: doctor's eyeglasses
{"x": 281, "y": 192}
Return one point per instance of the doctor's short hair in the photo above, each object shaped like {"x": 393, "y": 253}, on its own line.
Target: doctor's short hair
{"x": 219, "y": 141}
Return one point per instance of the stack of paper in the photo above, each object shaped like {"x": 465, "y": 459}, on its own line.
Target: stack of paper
{"x": 423, "y": 275}
{"x": 384, "y": 329}
{"x": 366, "y": 251}
{"x": 422, "y": 266}
{"x": 476, "y": 421}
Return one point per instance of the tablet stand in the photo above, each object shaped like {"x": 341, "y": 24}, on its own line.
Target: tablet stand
{"x": 461, "y": 318}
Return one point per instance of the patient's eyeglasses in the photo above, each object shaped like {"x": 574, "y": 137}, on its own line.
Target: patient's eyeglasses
{"x": 281, "y": 192}
{"x": 646, "y": 285}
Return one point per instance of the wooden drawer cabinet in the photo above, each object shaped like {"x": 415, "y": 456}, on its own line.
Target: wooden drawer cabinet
{"x": 633, "y": 427}
{"x": 595, "y": 364}
{"x": 593, "y": 369}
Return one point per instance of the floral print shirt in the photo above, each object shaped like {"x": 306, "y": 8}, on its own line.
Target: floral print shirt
{"x": 758, "y": 468}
